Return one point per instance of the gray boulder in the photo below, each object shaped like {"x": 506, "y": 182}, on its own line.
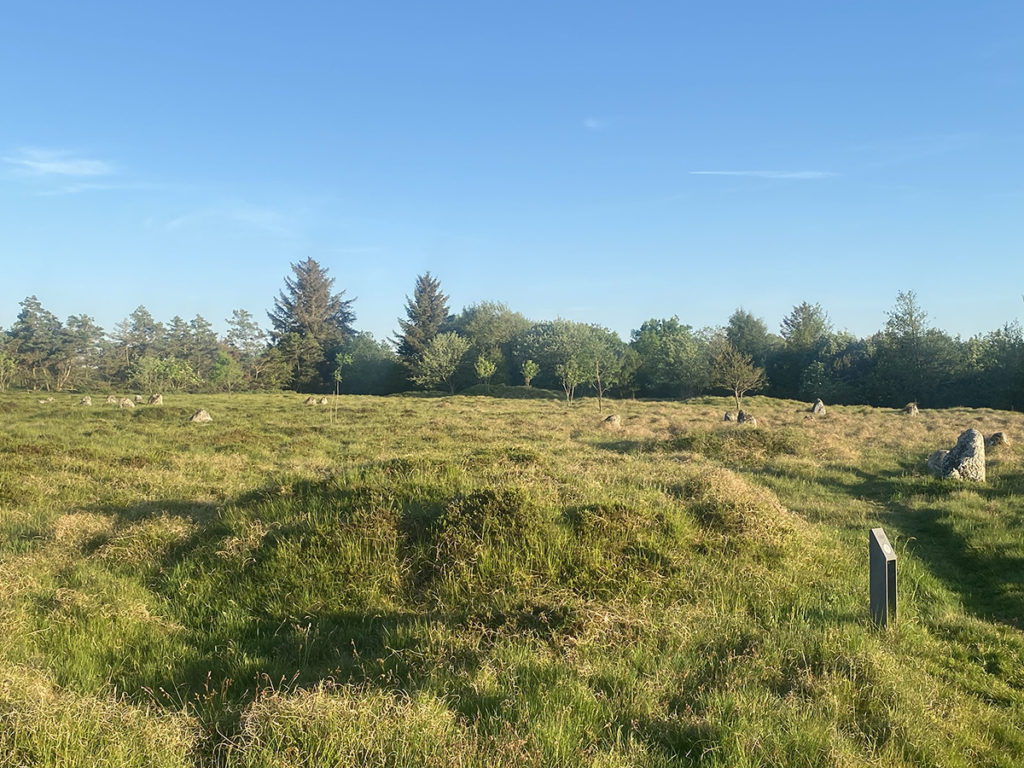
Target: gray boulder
{"x": 111, "y": 399}
{"x": 818, "y": 409}
{"x": 156, "y": 399}
{"x": 139, "y": 400}
{"x": 201, "y": 416}
{"x": 324, "y": 400}
{"x": 996, "y": 439}
{"x": 730, "y": 416}
{"x": 910, "y": 409}
{"x": 613, "y": 421}
{"x": 935, "y": 462}
{"x": 310, "y": 400}
{"x": 965, "y": 462}
{"x": 125, "y": 402}
{"x": 745, "y": 418}
{"x": 85, "y": 401}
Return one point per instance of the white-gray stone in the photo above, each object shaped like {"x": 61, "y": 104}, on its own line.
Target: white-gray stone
{"x": 745, "y": 418}
{"x": 125, "y": 402}
{"x": 85, "y": 401}
{"x": 965, "y": 462}
{"x": 111, "y": 399}
{"x": 613, "y": 421}
{"x": 156, "y": 399}
{"x": 818, "y": 409}
{"x": 201, "y": 416}
{"x": 730, "y": 416}
{"x": 910, "y": 409}
{"x": 310, "y": 400}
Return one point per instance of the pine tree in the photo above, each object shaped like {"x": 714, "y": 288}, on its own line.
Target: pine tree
{"x": 308, "y": 307}
{"x": 427, "y": 311}
{"x": 310, "y": 323}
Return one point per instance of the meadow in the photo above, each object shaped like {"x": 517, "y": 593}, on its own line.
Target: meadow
{"x": 483, "y": 581}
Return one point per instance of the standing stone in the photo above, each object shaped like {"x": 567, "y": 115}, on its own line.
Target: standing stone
{"x": 730, "y": 416}
{"x": 965, "y": 462}
{"x": 125, "y": 402}
{"x": 310, "y": 400}
{"x": 745, "y": 418}
{"x": 86, "y": 401}
{"x": 613, "y": 421}
{"x": 324, "y": 401}
{"x": 910, "y": 409}
{"x": 156, "y": 400}
{"x": 139, "y": 400}
{"x": 935, "y": 462}
{"x": 201, "y": 416}
{"x": 111, "y": 399}
{"x": 818, "y": 409}
{"x": 995, "y": 439}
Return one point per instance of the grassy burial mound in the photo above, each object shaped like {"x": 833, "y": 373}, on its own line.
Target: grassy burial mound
{"x": 473, "y": 581}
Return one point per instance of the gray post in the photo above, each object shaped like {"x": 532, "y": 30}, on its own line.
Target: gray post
{"x": 883, "y": 579}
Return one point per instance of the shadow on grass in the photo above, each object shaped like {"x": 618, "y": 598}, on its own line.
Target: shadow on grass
{"x": 287, "y": 614}
{"x": 989, "y": 578}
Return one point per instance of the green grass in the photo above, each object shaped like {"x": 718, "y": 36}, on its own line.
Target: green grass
{"x": 501, "y": 581}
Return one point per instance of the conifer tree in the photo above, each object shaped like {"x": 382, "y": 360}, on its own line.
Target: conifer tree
{"x": 308, "y": 307}
{"x": 426, "y": 311}
{"x": 310, "y": 323}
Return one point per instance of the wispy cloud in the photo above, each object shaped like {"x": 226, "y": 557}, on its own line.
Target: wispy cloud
{"x": 77, "y": 187}
{"x": 769, "y": 174}
{"x": 912, "y": 149}
{"x": 48, "y": 162}
{"x": 268, "y": 220}
{"x": 597, "y": 123}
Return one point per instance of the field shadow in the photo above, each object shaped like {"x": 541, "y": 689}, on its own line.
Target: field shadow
{"x": 237, "y": 635}
{"x": 988, "y": 578}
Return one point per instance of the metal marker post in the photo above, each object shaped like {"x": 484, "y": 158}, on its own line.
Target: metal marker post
{"x": 883, "y": 579}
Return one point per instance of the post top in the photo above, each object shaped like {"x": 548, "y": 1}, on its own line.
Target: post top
{"x": 879, "y": 538}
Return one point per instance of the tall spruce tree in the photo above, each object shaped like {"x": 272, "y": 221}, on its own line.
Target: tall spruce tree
{"x": 427, "y": 312}
{"x": 310, "y": 323}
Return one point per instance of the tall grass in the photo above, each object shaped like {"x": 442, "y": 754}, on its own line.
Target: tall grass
{"x": 478, "y": 581}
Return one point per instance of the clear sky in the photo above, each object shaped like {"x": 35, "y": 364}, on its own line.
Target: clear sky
{"x": 606, "y": 162}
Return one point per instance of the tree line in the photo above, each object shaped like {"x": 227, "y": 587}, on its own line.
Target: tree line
{"x": 312, "y": 345}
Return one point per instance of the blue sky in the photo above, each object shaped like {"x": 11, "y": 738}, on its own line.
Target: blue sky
{"x": 603, "y": 162}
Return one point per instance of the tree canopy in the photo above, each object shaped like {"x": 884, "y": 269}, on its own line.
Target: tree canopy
{"x": 426, "y": 312}
{"x": 907, "y": 359}
{"x": 310, "y": 323}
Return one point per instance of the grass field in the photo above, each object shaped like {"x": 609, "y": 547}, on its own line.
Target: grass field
{"x": 472, "y": 581}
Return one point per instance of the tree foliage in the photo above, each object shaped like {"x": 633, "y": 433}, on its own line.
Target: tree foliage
{"x": 426, "y": 312}
{"x": 440, "y": 360}
{"x": 905, "y": 360}
{"x": 673, "y": 361}
{"x": 310, "y": 323}
{"x": 735, "y": 371}
{"x": 484, "y": 370}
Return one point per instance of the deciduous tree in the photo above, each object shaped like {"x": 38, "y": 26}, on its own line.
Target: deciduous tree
{"x": 439, "y": 361}
{"x": 736, "y": 372}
